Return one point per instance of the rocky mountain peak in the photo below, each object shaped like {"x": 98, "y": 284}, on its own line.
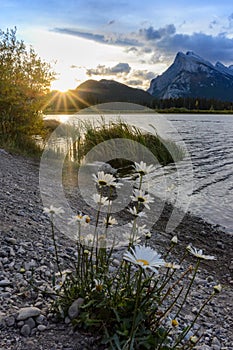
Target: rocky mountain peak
{"x": 192, "y": 76}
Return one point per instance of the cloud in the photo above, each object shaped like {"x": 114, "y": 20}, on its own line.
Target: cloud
{"x": 161, "y": 45}
{"x": 143, "y": 74}
{"x": 230, "y": 20}
{"x": 120, "y": 68}
{"x": 111, "y": 22}
{"x": 134, "y": 82}
{"x": 213, "y": 48}
{"x": 110, "y": 38}
{"x": 156, "y": 34}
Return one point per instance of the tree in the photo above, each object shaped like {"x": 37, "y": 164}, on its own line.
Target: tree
{"x": 24, "y": 81}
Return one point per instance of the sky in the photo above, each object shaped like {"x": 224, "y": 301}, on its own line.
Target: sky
{"x": 129, "y": 41}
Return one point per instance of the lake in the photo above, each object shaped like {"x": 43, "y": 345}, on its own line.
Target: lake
{"x": 203, "y": 182}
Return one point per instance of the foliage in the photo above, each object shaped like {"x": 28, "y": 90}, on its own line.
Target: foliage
{"x": 24, "y": 82}
{"x": 134, "y": 304}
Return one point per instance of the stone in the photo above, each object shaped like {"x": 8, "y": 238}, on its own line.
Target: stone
{"x": 10, "y": 321}
{"x": 30, "y": 322}
{"x": 25, "y": 330}
{"x": 28, "y": 312}
{"x": 74, "y": 308}
{"x": 5, "y": 283}
{"x": 41, "y": 327}
{"x": 41, "y": 319}
{"x": 11, "y": 240}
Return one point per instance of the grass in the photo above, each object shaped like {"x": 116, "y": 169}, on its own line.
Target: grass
{"x": 21, "y": 145}
{"x": 165, "y": 151}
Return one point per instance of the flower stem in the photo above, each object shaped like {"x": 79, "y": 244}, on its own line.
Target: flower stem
{"x": 138, "y": 292}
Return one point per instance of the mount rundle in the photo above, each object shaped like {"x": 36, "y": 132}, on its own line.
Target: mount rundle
{"x": 192, "y": 76}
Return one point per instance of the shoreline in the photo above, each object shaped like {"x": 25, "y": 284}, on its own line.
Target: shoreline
{"x": 25, "y": 242}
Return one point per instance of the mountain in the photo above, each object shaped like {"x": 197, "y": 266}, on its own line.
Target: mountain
{"x": 192, "y": 76}
{"x": 110, "y": 91}
{"x": 93, "y": 92}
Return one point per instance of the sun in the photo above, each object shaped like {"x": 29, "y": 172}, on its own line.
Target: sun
{"x": 66, "y": 80}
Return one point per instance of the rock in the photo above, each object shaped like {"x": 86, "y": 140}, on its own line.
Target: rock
{"x": 28, "y": 312}
{"x": 31, "y": 323}
{"x": 41, "y": 327}
{"x": 5, "y": 283}
{"x": 10, "y": 321}
{"x": 25, "y": 330}
{"x": 216, "y": 345}
{"x": 41, "y": 319}
{"x": 11, "y": 240}
{"x": 74, "y": 309}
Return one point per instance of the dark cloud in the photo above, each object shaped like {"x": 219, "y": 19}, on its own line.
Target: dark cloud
{"x": 230, "y": 19}
{"x": 120, "y": 68}
{"x": 213, "y": 48}
{"x": 157, "y": 34}
{"x": 143, "y": 74}
{"x": 132, "y": 49}
{"x": 134, "y": 82}
{"x": 113, "y": 38}
{"x": 213, "y": 24}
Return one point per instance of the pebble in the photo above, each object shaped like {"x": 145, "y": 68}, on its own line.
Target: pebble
{"x": 41, "y": 327}
{"x": 74, "y": 308}
{"x": 25, "y": 330}
{"x": 5, "y": 283}
{"x": 30, "y": 322}
{"x": 28, "y": 312}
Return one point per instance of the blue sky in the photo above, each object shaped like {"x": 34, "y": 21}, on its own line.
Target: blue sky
{"x": 129, "y": 41}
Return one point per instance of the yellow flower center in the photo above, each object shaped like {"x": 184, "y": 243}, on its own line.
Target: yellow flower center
{"x": 88, "y": 219}
{"x": 175, "y": 323}
{"x": 102, "y": 183}
{"x": 99, "y": 287}
{"x": 145, "y": 262}
{"x": 141, "y": 199}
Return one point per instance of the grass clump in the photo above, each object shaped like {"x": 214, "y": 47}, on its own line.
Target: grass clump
{"x": 164, "y": 151}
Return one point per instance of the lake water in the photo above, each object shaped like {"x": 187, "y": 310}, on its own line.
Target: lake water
{"x": 203, "y": 182}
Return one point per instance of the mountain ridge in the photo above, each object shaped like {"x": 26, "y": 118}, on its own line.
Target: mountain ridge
{"x": 192, "y": 76}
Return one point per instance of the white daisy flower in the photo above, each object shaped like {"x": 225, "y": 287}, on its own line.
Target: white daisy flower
{"x": 103, "y": 179}
{"x": 135, "y": 213}
{"x": 110, "y": 221}
{"x": 98, "y": 285}
{"x": 144, "y": 169}
{"x": 141, "y": 230}
{"x": 87, "y": 239}
{"x": 174, "y": 240}
{"x": 218, "y": 288}
{"x": 83, "y": 219}
{"x": 127, "y": 236}
{"x": 199, "y": 253}
{"x": 141, "y": 197}
{"x": 145, "y": 257}
{"x": 53, "y": 210}
{"x": 172, "y": 266}
{"x": 100, "y": 200}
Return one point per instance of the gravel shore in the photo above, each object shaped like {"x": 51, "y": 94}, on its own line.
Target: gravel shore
{"x": 26, "y": 245}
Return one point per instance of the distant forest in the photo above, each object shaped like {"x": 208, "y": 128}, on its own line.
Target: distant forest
{"x": 71, "y": 102}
